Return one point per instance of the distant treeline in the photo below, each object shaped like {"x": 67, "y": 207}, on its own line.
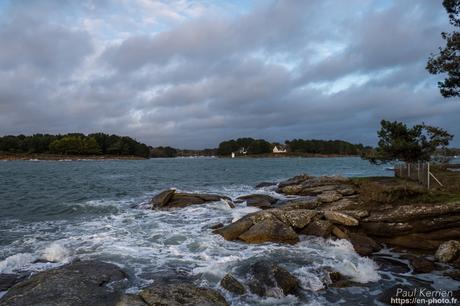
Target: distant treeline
{"x": 261, "y": 146}
{"x": 172, "y": 152}
{"x": 74, "y": 144}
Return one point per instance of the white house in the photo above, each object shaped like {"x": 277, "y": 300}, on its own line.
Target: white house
{"x": 279, "y": 149}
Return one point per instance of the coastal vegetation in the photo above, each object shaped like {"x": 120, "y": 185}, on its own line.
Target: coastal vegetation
{"x": 73, "y": 144}
{"x": 447, "y": 60}
{"x": 399, "y": 142}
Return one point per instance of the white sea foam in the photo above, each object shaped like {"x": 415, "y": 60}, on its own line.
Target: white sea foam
{"x": 56, "y": 252}
{"x": 20, "y": 261}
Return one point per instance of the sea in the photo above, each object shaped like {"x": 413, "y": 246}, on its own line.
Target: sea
{"x": 53, "y": 212}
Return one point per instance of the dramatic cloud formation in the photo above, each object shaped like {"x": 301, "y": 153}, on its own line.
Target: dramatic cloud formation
{"x": 192, "y": 73}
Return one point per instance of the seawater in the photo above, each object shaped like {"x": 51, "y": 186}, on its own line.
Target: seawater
{"x": 52, "y": 212}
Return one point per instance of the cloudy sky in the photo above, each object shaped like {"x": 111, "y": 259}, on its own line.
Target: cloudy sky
{"x": 192, "y": 73}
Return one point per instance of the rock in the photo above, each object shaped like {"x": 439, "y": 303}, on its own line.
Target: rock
{"x": 291, "y": 190}
{"x": 342, "y": 204}
{"x": 320, "y": 228}
{"x": 216, "y": 226}
{"x": 347, "y": 191}
{"x": 295, "y": 180}
{"x": 448, "y": 251}
{"x": 265, "y": 184}
{"x": 450, "y": 225}
{"x": 232, "y": 284}
{"x": 78, "y": 283}
{"x": 270, "y": 230}
{"x": 363, "y": 244}
{"x": 296, "y": 218}
{"x": 176, "y": 294}
{"x": 413, "y": 241}
{"x": 131, "y": 300}
{"x": 262, "y": 201}
{"x": 340, "y": 218}
{"x": 314, "y": 191}
{"x": 391, "y": 265}
{"x": 229, "y": 203}
{"x": 268, "y": 279}
{"x": 339, "y": 233}
{"x": 357, "y": 213}
{"x": 171, "y": 199}
{"x": 329, "y": 196}
{"x": 300, "y": 204}
{"x": 235, "y": 229}
{"x": 162, "y": 198}
{"x": 9, "y": 280}
{"x": 421, "y": 265}
{"x": 405, "y": 213}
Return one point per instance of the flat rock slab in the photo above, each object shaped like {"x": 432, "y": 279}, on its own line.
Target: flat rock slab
{"x": 75, "y": 284}
{"x": 262, "y": 201}
{"x": 177, "y": 294}
{"x": 270, "y": 230}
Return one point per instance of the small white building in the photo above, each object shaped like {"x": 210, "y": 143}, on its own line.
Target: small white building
{"x": 279, "y": 149}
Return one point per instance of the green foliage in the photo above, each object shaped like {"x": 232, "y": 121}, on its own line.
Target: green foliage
{"x": 163, "y": 152}
{"x": 448, "y": 59}
{"x": 339, "y": 147}
{"x": 399, "y": 142}
{"x": 259, "y": 146}
{"x": 74, "y": 143}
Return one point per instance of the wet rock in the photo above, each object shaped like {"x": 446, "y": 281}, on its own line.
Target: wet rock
{"x": 78, "y": 283}
{"x": 216, "y": 226}
{"x": 172, "y": 199}
{"x": 175, "y": 294}
{"x": 262, "y": 201}
{"x": 339, "y": 233}
{"x": 232, "y": 284}
{"x": 162, "y": 198}
{"x": 9, "y": 280}
{"x": 320, "y": 228}
{"x": 131, "y": 300}
{"x": 265, "y": 184}
{"x": 391, "y": 265}
{"x": 268, "y": 279}
{"x": 270, "y": 230}
{"x": 363, "y": 244}
{"x": 421, "y": 265}
{"x": 235, "y": 229}
{"x": 296, "y": 218}
{"x": 448, "y": 251}
{"x": 414, "y": 241}
{"x": 329, "y": 196}
{"x": 340, "y": 218}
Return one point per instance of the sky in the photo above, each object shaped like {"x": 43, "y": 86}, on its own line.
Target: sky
{"x": 190, "y": 73}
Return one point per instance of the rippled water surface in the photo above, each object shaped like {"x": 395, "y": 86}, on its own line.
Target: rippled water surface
{"x": 61, "y": 210}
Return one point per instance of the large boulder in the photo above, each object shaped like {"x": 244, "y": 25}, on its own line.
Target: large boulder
{"x": 268, "y": 279}
{"x": 329, "y": 196}
{"x": 262, "y": 201}
{"x": 448, "y": 251}
{"x": 340, "y": 218}
{"x": 270, "y": 230}
{"x": 235, "y": 229}
{"x": 79, "y": 283}
{"x": 232, "y": 284}
{"x": 176, "y": 294}
{"x": 171, "y": 199}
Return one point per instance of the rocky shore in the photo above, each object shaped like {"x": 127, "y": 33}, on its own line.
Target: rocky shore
{"x": 369, "y": 213}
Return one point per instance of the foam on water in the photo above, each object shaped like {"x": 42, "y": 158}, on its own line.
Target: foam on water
{"x": 150, "y": 243}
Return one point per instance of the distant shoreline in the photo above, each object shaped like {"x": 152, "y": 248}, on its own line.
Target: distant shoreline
{"x": 43, "y": 156}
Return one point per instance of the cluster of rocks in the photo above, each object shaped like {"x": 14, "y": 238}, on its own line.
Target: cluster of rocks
{"x": 101, "y": 284}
